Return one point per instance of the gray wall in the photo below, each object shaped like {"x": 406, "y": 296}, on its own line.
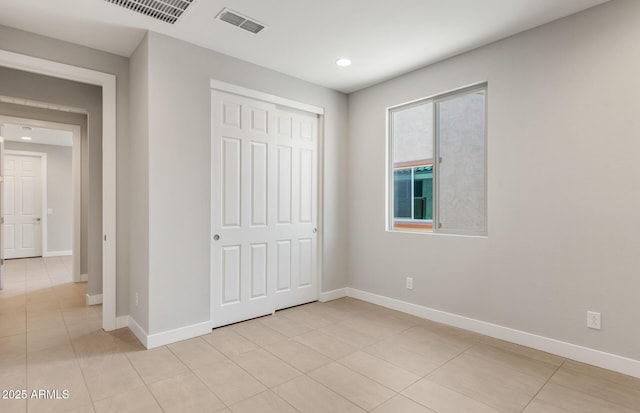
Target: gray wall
{"x": 138, "y": 197}
{"x": 69, "y": 94}
{"x": 179, "y": 173}
{"x": 563, "y": 176}
{"x": 59, "y": 192}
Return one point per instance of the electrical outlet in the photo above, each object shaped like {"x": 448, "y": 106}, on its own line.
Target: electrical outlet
{"x": 593, "y": 320}
{"x": 137, "y": 300}
{"x": 409, "y": 283}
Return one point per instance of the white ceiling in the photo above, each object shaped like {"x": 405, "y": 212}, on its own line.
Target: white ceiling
{"x": 304, "y": 38}
{"x": 14, "y": 132}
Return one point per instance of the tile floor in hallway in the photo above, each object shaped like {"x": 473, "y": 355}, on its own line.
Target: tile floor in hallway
{"x": 341, "y": 356}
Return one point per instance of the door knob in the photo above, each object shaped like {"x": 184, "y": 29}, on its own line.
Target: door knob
{"x": 216, "y": 237}
{"x": 37, "y": 219}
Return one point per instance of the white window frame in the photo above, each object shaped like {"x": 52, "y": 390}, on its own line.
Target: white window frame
{"x": 390, "y": 190}
{"x": 412, "y": 187}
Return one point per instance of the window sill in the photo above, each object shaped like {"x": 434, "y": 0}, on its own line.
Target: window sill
{"x": 415, "y": 225}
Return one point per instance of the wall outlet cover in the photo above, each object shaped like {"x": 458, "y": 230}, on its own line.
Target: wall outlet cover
{"x": 409, "y": 283}
{"x": 593, "y": 320}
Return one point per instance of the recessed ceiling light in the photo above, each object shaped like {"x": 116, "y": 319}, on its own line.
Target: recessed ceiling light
{"x": 25, "y": 138}
{"x": 344, "y": 62}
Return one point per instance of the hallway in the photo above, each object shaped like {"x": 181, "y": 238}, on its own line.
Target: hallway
{"x": 45, "y": 329}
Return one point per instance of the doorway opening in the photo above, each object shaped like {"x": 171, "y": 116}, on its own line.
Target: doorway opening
{"x": 42, "y": 191}
{"x": 107, "y": 82}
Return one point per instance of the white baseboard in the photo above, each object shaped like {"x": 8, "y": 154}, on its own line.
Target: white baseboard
{"x": 94, "y": 299}
{"x": 150, "y": 341}
{"x": 598, "y": 358}
{"x": 84, "y": 277}
{"x": 582, "y": 354}
{"x": 57, "y": 253}
{"x": 122, "y": 321}
{"x": 178, "y": 334}
{"x": 332, "y": 295}
{"x": 137, "y": 331}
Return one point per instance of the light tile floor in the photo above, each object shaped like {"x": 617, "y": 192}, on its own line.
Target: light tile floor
{"x": 341, "y": 356}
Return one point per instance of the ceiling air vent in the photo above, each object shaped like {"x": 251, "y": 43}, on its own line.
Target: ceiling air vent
{"x": 240, "y": 21}
{"x": 168, "y": 11}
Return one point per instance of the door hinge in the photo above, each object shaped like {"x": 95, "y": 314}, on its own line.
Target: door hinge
{"x": 105, "y": 237}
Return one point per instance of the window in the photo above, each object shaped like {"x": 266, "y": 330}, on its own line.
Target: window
{"x": 447, "y": 196}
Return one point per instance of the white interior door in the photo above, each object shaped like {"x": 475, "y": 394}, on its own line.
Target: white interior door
{"x": 22, "y": 206}
{"x": 264, "y": 208}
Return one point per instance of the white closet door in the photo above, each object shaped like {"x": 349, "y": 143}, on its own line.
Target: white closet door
{"x": 264, "y": 208}
{"x": 22, "y": 206}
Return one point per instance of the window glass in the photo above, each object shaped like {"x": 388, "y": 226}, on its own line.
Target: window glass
{"x": 423, "y": 192}
{"x": 413, "y": 134}
{"x": 416, "y": 205}
{"x": 402, "y": 185}
{"x": 450, "y": 192}
{"x": 461, "y": 192}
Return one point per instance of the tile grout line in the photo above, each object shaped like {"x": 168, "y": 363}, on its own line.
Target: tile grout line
{"x": 581, "y": 391}
{"x": 196, "y": 376}
{"x": 75, "y": 354}
{"x": 320, "y": 384}
{"x": 249, "y": 373}
{"x": 255, "y": 378}
{"x": 26, "y": 338}
{"x": 520, "y": 356}
{"x": 395, "y": 393}
{"x": 26, "y": 334}
{"x": 544, "y": 385}
{"x": 425, "y": 377}
{"x": 303, "y": 374}
{"x": 73, "y": 349}
{"x": 347, "y": 367}
{"x": 266, "y": 391}
{"x": 146, "y": 385}
{"x": 382, "y": 384}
